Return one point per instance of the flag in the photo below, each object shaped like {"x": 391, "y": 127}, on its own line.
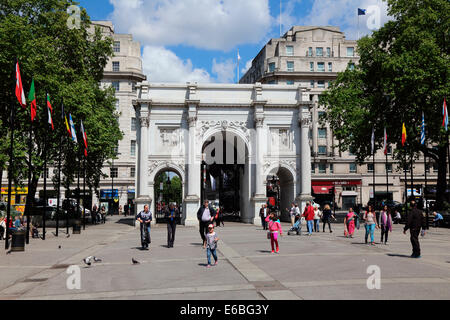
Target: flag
{"x": 403, "y": 135}
{"x": 72, "y": 127}
{"x": 32, "y": 98}
{"x": 213, "y": 183}
{"x": 422, "y": 135}
{"x": 445, "y": 114}
{"x": 83, "y": 133}
{"x": 361, "y": 12}
{"x": 50, "y": 111}
{"x": 238, "y": 56}
{"x": 19, "y": 88}
{"x": 373, "y": 140}
{"x": 385, "y": 142}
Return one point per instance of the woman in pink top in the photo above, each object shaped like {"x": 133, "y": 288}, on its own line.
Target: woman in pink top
{"x": 349, "y": 222}
{"x": 274, "y": 229}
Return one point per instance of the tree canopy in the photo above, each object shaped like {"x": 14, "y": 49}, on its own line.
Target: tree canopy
{"x": 68, "y": 65}
{"x": 403, "y": 72}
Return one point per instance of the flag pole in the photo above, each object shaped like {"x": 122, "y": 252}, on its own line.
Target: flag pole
{"x": 59, "y": 170}
{"x": 78, "y": 186}
{"x": 45, "y": 186}
{"x": 68, "y": 191}
{"x": 29, "y": 200}
{"x": 10, "y": 173}
{"x": 84, "y": 193}
{"x": 387, "y": 178}
{"x": 425, "y": 190}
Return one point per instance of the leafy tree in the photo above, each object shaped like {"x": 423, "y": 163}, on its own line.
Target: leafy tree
{"x": 403, "y": 71}
{"x": 68, "y": 64}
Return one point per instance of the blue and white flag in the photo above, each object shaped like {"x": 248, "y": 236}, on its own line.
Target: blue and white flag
{"x": 422, "y": 135}
{"x": 361, "y": 12}
{"x": 373, "y": 140}
{"x": 72, "y": 127}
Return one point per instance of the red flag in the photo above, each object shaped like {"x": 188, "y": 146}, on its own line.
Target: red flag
{"x": 83, "y": 133}
{"x": 50, "y": 111}
{"x": 19, "y": 88}
{"x": 385, "y": 142}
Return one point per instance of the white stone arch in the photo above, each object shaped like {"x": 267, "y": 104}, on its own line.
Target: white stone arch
{"x": 160, "y": 168}
{"x": 288, "y": 184}
{"x": 247, "y": 214}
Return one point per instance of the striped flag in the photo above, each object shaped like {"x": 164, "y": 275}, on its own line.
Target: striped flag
{"x": 385, "y": 147}
{"x": 403, "y": 134}
{"x": 445, "y": 114}
{"x": 72, "y": 127}
{"x": 50, "y": 111}
{"x": 83, "y": 133}
{"x": 19, "y": 88}
{"x": 422, "y": 134}
{"x": 373, "y": 140}
{"x": 32, "y": 98}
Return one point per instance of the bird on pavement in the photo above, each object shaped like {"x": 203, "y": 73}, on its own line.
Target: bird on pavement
{"x": 68, "y": 235}
{"x": 88, "y": 260}
{"x": 97, "y": 259}
{"x": 134, "y": 261}
{"x": 59, "y": 247}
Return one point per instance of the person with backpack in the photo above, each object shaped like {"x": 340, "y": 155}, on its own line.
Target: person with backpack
{"x": 274, "y": 229}
{"x": 309, "y": 216}
{"x": 327, "y": 214}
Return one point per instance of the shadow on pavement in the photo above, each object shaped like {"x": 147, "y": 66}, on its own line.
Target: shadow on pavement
{"x": 398, "y": 255}
{"x": 127, "y": 221}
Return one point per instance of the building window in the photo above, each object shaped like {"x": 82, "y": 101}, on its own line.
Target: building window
{"x": 321, "y": 84}
{"x": 310, "y": 133}
{"x": 331, "y": 168}
{"x": 389, "y": 150}
{"x": 319, "y": 52}
{"x": 116, "y": 85}
{"x": 116, "y": 66}
{"x": 435, "y": 167}
{"x": 133, "y": 148}
{"x": 389, "y": 167}
{"x": 114, "y": 172}
{"x": 313, "y": 168}
{"x": 272, "y": 82}
{"x": 330, "y": 66}
{"x": 321, "y": 66}
{"x": 322, "y": 133}
{"x": 351, "y": 66}
{"x": 352, "y": 167}
{"x": 311, "y": 66}
{"x": 350, "y": 52}
{"x": 132, "y": 172}
{"x": 310, "y": 52}
{"x": 47, "y": 174}
{"x": 370, "y": 167}
{"x": 133, "y": 124}
{"x": 290, "y": 82}
{"x": 289, "y": 50}
{"x": 290, "y": 66}
{"x": 272, "y": 67}
{"x": 328, "y": 52}
{"x": 322, "y": 168}
{"x": 117, "y": 105}
{"x": 322, "y": 150}
{"x": 312, "y": 83}
{"x": 133, "y": 86}
{"x": 116, "y": 46}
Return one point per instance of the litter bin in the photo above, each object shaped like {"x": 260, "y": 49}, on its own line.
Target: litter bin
{"x": 76, "y": 229}
{"x": 18, "y": 241}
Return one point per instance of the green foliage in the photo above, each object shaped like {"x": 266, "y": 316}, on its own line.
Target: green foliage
{"x": 170, "y": 193}
{"x": 66, "y": 63}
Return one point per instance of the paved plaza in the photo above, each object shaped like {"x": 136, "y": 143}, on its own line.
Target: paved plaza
{"x": 323, "y": 266}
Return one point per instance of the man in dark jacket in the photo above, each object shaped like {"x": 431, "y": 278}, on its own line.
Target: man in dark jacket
{"x": 415, "y": 223}
{"x": 205, "y": 216}
{"x": 171, "y": 215}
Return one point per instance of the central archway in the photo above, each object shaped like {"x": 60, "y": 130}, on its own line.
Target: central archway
{"x": 225, "y": 174}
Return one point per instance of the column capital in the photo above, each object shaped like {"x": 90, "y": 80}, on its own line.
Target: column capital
{"x": 304, "y": 117}
{"x": 145, "y": 121}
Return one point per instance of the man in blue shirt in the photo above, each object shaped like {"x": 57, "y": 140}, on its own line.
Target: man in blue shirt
{"x": 171, "y": 217}
{"x": 145, "y": 218}
{"x": 438, "y": 219}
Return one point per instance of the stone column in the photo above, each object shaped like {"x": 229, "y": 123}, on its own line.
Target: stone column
{"x": 192, "y": 200}
{"x": 143, "y": 195}
{"x": 305, "y": 155}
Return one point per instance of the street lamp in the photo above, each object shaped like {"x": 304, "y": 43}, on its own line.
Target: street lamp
{"x": 112, "y": 181}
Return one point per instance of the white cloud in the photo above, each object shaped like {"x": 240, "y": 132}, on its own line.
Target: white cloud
{"x": 343, "y": 13}
{"x": 247, "y": 66}
{"x": 162, "y": 65}
{"x": 205, "y": 24}
{"x": 225, "y": 71}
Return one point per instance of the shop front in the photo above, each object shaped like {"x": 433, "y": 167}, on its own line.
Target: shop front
{"x": 342, "y": 193}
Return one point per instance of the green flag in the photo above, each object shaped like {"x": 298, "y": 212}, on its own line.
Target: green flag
{"x": 32, "y": 98}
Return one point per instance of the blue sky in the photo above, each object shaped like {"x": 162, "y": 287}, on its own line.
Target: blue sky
{"x": 197, "y": 40}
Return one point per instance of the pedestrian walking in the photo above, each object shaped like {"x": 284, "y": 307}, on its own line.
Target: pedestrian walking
{"x": 263, "y": 213}
{"x": 211, "y": 245}
{"x": 385, "y": 223}
{"x": 371, "y": 224}
{"x": 205, "y": 216}
{"x": 103, "y": 214}
{"x": 415, "y": 224}
{"x": 171, "y": 215}
{"x": 317, "y": 215}
{"x": 327, "y": 214}
{"x": 309, "y": 216}
{"x": 2, "y": 228}
{"x": 350, "y": 223}
{"x": 274, "y": 229}
{"x": 292, "y": 213}
{"x": 145, "y": 218}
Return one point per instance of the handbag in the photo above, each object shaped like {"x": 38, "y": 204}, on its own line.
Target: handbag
{"x": 268, "y": 235}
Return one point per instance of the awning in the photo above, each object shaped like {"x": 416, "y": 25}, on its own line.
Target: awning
{"x": 349, "y": 194}
{"x": 321, "y": 189}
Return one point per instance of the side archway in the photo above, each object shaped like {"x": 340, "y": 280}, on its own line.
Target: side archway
{"x": 281, "y": 189}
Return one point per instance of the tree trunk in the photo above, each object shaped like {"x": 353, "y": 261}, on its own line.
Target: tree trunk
{"x": 442, "y": 177}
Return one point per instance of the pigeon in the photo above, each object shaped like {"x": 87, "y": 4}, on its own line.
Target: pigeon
{"x": 59, "y": 247}
{"x": 68, "y": 235}
{"x": 97, "y": 259}
{"x": 88, "y": 260}
{"x": 134, "y": 261}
